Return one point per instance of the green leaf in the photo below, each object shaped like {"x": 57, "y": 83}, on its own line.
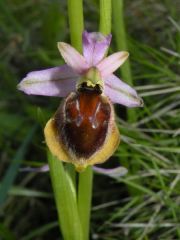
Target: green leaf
{"x": 65, "y": 198}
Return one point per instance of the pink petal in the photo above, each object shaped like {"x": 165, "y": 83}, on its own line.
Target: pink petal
{"x": 111, "y": 172}
{"x": 109, "y": 64}
{"x": 73, "y": 58}
{"x": 95, "y": 46}
{"x": 120, "y": 92}
{"x": 57, "y": 81}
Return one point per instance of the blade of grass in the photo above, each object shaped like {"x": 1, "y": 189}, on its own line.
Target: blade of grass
{"x": 12, "y": 171}
{"x": 25, "y": 192}
{"x": 40, "y": 231}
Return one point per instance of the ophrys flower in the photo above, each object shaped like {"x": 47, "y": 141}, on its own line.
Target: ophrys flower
{"x": 83, "y": 130}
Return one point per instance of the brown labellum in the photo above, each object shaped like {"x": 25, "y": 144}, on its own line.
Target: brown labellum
{"x": 82, "y": 122}
{"x": 83, "y": 130}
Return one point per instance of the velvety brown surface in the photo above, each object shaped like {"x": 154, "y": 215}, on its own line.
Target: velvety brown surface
{"x": 82, "y": 122}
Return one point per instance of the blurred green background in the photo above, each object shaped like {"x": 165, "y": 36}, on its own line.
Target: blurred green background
{"x": 144, "y": 204}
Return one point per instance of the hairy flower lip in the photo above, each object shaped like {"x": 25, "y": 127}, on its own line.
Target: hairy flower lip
{"x": 61, "y": 150}
{"x": 99, "y": 157}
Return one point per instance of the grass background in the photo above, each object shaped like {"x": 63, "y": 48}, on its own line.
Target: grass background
{"x": 142, "y": 205}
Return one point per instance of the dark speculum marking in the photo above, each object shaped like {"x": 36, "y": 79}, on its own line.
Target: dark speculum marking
{"x": 85, "y": 88}
{"x": 82, "y": 122}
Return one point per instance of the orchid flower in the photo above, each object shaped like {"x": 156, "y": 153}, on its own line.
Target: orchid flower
{"x": 83, "y": 130}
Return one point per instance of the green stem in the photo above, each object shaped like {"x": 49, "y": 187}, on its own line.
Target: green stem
{"x": 75, "y": 11}
{"x": 76, "y": 24}
{"x": 84, "y": 199}
{"x": 105, "y": 16}
{"x": 120, "y": 35}
{"x": 86, "y": 177}
{"x": 121, "y": 41}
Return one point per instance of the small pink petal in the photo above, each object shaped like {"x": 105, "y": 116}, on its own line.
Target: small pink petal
{"x": 109, "y": 64}
{"x": 111, "y": 172}
{"x": 95, "y": 46}
{"x": 73, "y": 58}
{"x": 120, "y": 92}
{"x": 57, "y": 81}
